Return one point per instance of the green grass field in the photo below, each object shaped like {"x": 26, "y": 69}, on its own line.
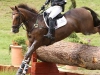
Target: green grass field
{"x": 6, "y": 35}
{"x": 10, "y": 72}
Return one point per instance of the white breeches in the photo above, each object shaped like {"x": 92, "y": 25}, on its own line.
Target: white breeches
{"x": 54, "y": 11}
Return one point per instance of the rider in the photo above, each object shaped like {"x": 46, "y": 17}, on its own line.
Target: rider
{"x": 57, "y": 6}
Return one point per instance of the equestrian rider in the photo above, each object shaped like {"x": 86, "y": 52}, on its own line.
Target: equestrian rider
{"x": 57, "y": 6}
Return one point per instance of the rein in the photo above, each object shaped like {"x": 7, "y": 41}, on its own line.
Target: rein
{"x": 35, "y": 25}
{"x": 25, "y": 22}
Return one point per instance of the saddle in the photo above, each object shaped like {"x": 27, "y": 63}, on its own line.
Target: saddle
{"x": 59, "y": 20}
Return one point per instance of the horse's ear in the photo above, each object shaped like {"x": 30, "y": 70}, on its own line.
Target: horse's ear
{"x": 16, "y": 8}
{"x": 12, "y": 8}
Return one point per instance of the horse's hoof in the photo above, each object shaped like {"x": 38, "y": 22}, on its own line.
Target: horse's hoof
{"x": 18, "y": 74}
{"x": 22, "y": 74}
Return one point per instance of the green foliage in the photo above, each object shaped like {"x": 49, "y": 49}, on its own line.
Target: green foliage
{"x": 20, "y": 40}
{"x": 24, "y": 47}
{"x": 74, "y": 38}
{"x": 73, "y": 5}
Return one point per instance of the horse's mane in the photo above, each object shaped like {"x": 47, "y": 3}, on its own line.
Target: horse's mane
{"x": 24, "y": 6}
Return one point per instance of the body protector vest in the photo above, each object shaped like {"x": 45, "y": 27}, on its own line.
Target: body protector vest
{"x": 57, "y": 2}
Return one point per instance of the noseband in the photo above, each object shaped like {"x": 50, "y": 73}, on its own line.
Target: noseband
{"x": 20, "y": 22}
{"x": 27, "y": 21}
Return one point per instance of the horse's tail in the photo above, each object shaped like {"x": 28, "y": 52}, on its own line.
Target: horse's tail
{"x": 95, "y": 16}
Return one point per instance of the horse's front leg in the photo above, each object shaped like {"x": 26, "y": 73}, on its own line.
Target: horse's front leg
{"x": 25, "y": 63}
{"x": 24, "y": 67}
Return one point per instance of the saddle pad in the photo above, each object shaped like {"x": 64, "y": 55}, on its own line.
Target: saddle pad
{"x": 60, "y": 22}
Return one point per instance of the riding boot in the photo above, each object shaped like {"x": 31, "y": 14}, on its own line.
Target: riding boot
{"x": 45, "y": 14}
{"x": 51, "y": 30}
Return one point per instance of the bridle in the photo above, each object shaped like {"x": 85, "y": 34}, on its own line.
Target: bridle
{"x": 19, "y": 18}
{"x": 21, "y": 22}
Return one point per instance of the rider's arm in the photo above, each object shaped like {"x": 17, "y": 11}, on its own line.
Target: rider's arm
{"x": 47, "y": 2}
{"x": 63, "y": 2}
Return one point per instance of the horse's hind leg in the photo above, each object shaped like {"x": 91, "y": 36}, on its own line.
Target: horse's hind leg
{"x": 90, "y": 29}
{"x": 96, "y": 29}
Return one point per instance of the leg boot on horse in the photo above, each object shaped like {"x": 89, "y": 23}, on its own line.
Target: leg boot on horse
{"x": 51, "y": 30}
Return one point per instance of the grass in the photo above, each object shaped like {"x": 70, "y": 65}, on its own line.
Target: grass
{"x": 7, "y": 72}
{"x": 94, "y": 39}
{"x": 10, "y": 72}
{"x": 6, "y": 21}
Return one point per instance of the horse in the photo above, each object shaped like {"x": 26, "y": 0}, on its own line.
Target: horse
{"x": 80, "y": 20}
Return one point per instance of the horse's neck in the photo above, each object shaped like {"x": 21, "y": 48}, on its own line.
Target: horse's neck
{"x": 29, "y": 15}
{"x": 41, "y": 21}
{"x": 30, "y": 19}
{"x": 37, "y": 19}
{"x": 33, "y": 18}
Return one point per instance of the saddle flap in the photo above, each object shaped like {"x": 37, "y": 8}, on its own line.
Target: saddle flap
{"x": 60, "y": 20}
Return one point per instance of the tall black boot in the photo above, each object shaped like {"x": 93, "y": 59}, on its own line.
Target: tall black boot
{"x": 51, "y": 30}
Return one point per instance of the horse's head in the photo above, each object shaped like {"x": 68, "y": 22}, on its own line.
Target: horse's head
{"x": 17, "y": 20}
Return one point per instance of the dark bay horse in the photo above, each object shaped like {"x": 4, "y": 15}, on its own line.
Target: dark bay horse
{"x": 83, "y": 20}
